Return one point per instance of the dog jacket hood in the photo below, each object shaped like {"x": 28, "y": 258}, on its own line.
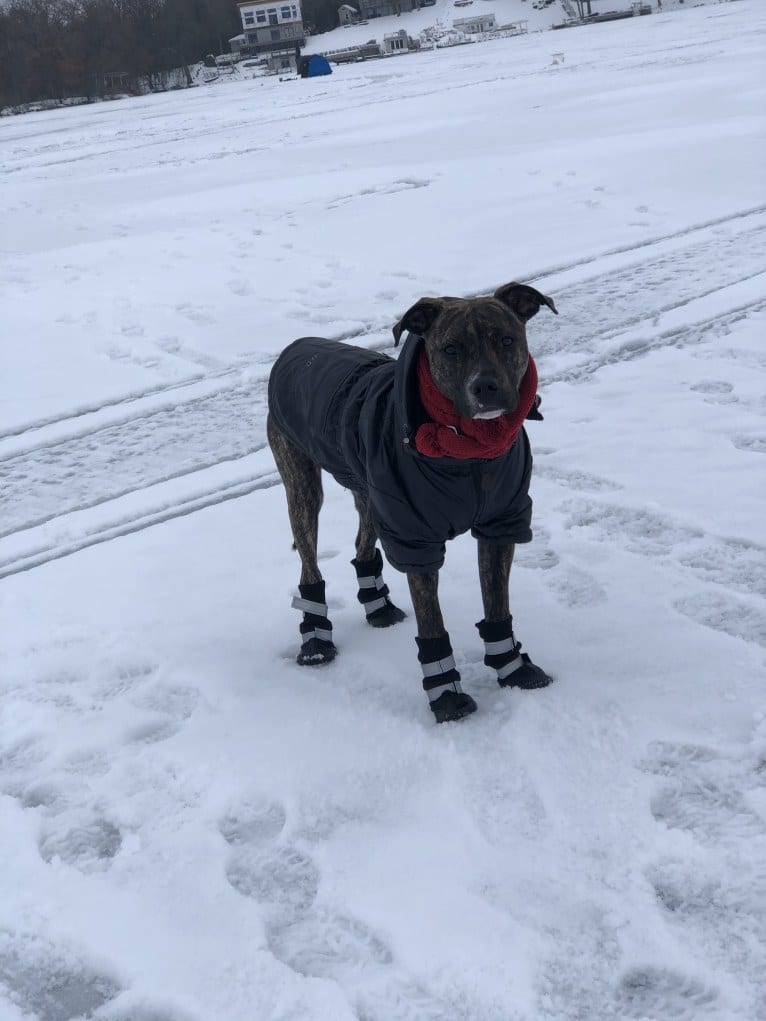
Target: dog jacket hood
{"x": 355, "y": 413}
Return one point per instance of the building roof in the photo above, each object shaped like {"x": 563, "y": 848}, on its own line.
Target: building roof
{"x": 476, "y": 17}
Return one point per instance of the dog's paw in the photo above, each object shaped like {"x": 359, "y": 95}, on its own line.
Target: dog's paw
{"x": 527, "y": 676}
{"x": 386, "y": 615}
{"x": 452, "y": 705}
{"x": 316, "y": 652}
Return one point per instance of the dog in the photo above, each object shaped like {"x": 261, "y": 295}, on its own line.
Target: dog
{"x": 431, "y": 445}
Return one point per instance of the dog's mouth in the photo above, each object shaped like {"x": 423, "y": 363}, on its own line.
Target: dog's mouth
{"x": 494, "y": 413}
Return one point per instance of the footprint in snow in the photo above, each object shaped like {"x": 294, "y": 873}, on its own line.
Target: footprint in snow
{"x": 259, "y": 821}
{"x": 112, "y": 682}
{"x": 50, "y": 984}
{"x": 48, "y": 794}
{"x": 659, "y": 993}
{"x": 283, "y": 880}
{"x": 539, "y": 555}
{"x": 668, "y": 759}
{"x": 142, "y": 1012}
{"x": 580, "y": 480}
{"x": 325, "y": 944}
{"x": 715, "y": 897}
{"x": 86, "y": 842}
{"x": 724, "y": 613}
{"x": 715, "y": 391}
{"x": 572, "y": 586}
{"x": 88, "y": 762}
{"x": 504, "y": 800}
{"x": 171, "y": 705}
{"x": 704, "y": 794}
{"x": 152, "y": 731}
{"x": 754, "y": 443}
{"x": 397, "y": 999}
{"x": 721, "y": 910}
{"x": 17, "y": 761}
{"x": 710, "y": 812}
{"x": 280, "y": 877}
{"x": 733, "y": 563}
{"x": 315, "y": 940}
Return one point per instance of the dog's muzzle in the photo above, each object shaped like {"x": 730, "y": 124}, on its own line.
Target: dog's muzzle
{"x": 487, "y": 398}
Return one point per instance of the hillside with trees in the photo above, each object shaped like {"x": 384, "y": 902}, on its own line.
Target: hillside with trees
{"x": 58, "y": 49}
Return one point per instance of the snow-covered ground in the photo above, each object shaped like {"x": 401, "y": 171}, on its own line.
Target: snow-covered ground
{"x": 443, "y": 13}
{"x": 192, "y": 827}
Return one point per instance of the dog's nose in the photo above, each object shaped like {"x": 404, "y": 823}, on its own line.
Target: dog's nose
{"x": 484, "y": 388}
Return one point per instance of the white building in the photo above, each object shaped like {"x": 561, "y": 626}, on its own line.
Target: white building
{"x": 271, "y": 28}
{"x": 475, "y": 25}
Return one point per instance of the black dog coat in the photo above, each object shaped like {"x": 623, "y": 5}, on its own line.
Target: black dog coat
{"x": 355, "y": 413}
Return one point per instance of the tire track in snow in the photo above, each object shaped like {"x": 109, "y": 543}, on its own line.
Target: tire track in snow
{"x": 129, "y": 398}
{"x": 637, "y": 347}
{"x": 90, "y": 470}
{"x": 85, "y": 471}
{"x": 144, "y": 518}
{"x": 382, "y": 325}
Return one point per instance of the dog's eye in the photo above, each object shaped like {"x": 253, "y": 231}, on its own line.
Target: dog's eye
{"x": 507, "y": 341}
{"x": 449, "y": 349}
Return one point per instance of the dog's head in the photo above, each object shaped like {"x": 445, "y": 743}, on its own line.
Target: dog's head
{"x": 477, "y": 347}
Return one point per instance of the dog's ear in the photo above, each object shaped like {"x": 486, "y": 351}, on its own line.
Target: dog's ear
{"x": 523, "y": 300}
{"x": 418, "y": 318}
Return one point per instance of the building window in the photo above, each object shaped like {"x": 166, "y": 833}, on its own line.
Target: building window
{"x": 249, "y": 18}
{"x": 260, "y": 17}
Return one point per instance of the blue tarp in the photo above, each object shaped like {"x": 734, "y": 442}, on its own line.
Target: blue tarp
{"x": 318, "y": 65}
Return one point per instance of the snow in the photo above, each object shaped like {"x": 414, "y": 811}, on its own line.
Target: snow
{"x": 195, "y": 828}
{"x": 441, "y": 16}
{"x": 443, "y": 13}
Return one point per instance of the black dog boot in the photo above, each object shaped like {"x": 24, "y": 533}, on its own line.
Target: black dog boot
{"x": 514, "y": 668}
{"x": 373, "y": 593}
{"x": 316, "y": 629}
{"x": 441, "y": 680}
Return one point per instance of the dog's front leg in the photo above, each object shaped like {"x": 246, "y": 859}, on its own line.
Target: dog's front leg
{"x": 494, "y": 575}
{"x": 441, "y": 679}
{"x": 502, "y": 651}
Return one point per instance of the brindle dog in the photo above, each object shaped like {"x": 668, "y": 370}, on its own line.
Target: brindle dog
{"x": 478, "y": 355}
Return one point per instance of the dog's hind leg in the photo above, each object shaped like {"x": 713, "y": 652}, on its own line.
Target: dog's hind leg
{"x": 302, "y": 479}
{"x": 368, "y": 563}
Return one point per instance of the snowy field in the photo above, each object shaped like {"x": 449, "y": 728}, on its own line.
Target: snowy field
{"x": 192, "y": 827}
{"x": 443, "y": 13}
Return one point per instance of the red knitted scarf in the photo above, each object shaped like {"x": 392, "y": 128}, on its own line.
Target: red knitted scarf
{"x": 450, "y": 435}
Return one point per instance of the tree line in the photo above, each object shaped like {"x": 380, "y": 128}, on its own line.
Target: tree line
{"x": 59, "y": 49}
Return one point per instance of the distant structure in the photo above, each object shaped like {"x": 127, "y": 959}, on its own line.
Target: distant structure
{"x": 583, "y": 14}
{"x": 384, "y": 8}
{"x": 347, "y": 15}
{"x": 271, "y": 30}
{"x": 397, "y": 42}
{"x": 476, "y": 25}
